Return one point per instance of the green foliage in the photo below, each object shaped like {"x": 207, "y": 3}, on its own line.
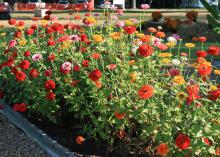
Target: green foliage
{"x": 215, "y": 15}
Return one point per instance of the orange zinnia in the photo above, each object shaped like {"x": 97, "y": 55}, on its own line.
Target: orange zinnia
{"x": 163, "y": 149}
{"x": 120, "y": 115}
{"x": 152, "y": 30}
{"x": 146, "y": 91}
{"x": 80, "y": 139}
{"x": 115, "y": 35}
{"x": 160, "y": 35}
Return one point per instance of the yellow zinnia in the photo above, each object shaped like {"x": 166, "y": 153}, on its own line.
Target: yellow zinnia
{"x": 166, "y": 61}
{"x": 213, "y": 87}
{"x": 171, "y": 44}
{"x": 22, "y": 42}
{"x": 190, "y": 45}
{"x": 129, "y": 23}
{"x": 140, "y": 35}
{"x": 181, "y": 95}
{"x": 97, "y": 38}
{"x": 217, "y": 72}
{"x": 165, "y": 54}
{"x": 179, "y": 79}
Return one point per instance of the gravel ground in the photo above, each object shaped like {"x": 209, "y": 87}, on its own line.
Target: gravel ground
{"x": 14, "y": 143}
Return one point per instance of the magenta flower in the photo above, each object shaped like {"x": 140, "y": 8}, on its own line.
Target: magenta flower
{"x": 145, "y": 6}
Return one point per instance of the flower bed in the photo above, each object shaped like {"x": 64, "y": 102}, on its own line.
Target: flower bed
{"x": 122, "y": 87}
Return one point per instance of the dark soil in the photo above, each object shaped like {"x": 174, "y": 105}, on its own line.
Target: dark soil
{"x": 66, "y": 133}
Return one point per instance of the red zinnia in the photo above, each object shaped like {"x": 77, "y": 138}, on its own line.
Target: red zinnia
{"x": 182, "y": 141}
{"x": 34, "y": 73}
{"x": 76, "y": 68}
{"x": 214, "y": 50}
{"x": 20, "y": 107}
{"x": 146, "y": 91}
{"x": 202, "y": 39}
{"x": 20, "y": 76}
{"x": 145, "y": 50}
{"x": 12, "y": 21}
{"x": 50, "y": 96}
{"x": 27, "y": 53}
{"x": 21, "y": 23}
{"x": 29, "y": 31}
{"x": 25, "y": 64}
{"x": 130, "y": 29}
{"x": 51, "y": 57}
{"x": 201, "y": 53}
{"x": 48, "y": 73}
{"x": 214, "y": 95}
{"x": 50, "y": 84}
{"x": 85, "y": 63}
{"x": 95, "y": 75}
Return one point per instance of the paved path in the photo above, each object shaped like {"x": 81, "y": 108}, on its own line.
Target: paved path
{"x": 14, "y": 143}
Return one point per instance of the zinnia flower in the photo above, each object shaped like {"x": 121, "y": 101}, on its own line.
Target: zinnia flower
{"x": 214, "y": 50}
{"x": 146, "y": 91}
{"x": 12, "y": 43}
{"x": 179, "y": 79}
{"x": 50, "y": 96}
{"x": 120, "y": 115}
{"x": 163, "y": 149}
{"x": 20, "y": 107}
{"x": 97, "y": 38}
{"x": 50, "y": 84}
{"x": 145, "y": 6}
{"x": 130, "y": 29}
{"x": 25, "y": 64}
{"x": 145, "y": 50}
{"x": 36, "y": 57}
{"x": 182, "y": 141}
{"x": 80, "y": 140}
{"x": 20, "y": 76}
{"x": 200, "y": 53}
{"x": 34, "y": 73}
{"x": 95, "y": 75}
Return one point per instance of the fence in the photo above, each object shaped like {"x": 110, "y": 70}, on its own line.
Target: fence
{"x": 51, "y": 6}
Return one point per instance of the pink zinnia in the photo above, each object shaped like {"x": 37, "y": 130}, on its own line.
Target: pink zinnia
{"x": 36, "y": 57}
{"x": 161, "y": 46}
{"x": 66, "y": 66}
{"x": 12, "y": 43}
{"x": 145, "y": 6}
{"x": 120, "y": 24}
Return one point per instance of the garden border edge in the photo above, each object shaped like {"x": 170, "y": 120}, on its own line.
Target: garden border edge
{"x": 48, "y": 144}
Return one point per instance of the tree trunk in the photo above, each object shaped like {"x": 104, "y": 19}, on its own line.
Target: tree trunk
{"x": 134, "y": 4}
